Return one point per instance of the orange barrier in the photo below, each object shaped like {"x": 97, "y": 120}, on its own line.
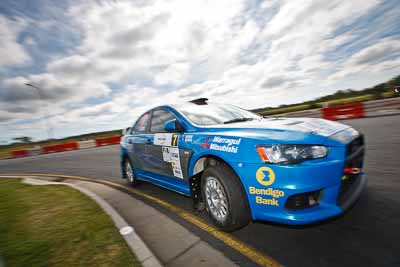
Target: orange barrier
{"x": 60, "y": 147}
{"x": 343, "y": 112}
{"x": 19, "y": 153}
{"x": 114, "y": 140}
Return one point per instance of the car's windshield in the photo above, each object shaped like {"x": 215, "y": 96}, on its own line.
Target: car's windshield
{"x": 211, "y": 114}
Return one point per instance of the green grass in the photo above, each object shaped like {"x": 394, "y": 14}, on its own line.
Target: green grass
{"x": 56, "y": 225}
{"x": 349, "y": 100}
{"x": 4, "y": 154}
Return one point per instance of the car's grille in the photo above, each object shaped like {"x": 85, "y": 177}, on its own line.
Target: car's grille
{"x": 354, "y": 146}
{"x": 347, "y": 188}
{"x": 354, "y": 159}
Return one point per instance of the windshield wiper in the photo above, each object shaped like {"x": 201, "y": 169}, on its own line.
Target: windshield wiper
{"x": 239, "y": 120}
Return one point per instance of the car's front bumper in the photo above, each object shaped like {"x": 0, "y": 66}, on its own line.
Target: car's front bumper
{"x": 336, "y": 191}
{"x": 329, "y": 206}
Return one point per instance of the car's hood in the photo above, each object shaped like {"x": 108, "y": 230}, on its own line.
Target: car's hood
{"x": 297, "y": 130}
{"x": 306, "y": 125}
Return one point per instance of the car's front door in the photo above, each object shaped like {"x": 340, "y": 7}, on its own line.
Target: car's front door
{"x": 167, "y": 161}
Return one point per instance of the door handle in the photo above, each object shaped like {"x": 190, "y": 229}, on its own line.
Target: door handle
{"x": 148, "y": 142}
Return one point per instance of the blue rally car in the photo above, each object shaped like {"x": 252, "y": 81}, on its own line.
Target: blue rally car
{"x": 240, "y": 166}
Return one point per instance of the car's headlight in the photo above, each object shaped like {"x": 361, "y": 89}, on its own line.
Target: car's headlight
{"x": 291, "y": 154}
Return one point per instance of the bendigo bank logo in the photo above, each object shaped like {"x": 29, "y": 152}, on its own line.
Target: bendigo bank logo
{"x": 265, "y": 176}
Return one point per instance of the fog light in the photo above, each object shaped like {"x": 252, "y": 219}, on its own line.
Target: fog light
{"x": 303, "y": 200}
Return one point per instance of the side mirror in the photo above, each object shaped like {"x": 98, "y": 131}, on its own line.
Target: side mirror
{"x": 126, "y": 131}
{"x": 170, "y": 126}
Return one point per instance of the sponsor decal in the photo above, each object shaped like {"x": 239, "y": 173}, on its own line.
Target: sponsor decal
{"x": 206, "y": 144}
{"x": 166, "y": 154}
{"x": 230, "y": 145}
{"x": 266, "y": 192}
{"x": 265, "y": 176}
{"x": 266, "y": 196}
{"x": 166, "y": 139}
{"x": 162, "y": 139}
{"x": 175, "y": 140}
{"x": 176, "y": 168}
{"x": 188, "y": 138}
{"x": 171, "y": 155}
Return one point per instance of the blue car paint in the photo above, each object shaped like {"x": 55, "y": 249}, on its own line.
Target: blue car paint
{"x": 319, "y": 174}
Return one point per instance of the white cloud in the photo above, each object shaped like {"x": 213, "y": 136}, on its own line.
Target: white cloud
{"x": 126, "y": 37}
{"x": 51, "y": 89}
{"x": 376, "y": 58}
{"x": 376, "y": 53}
{"x": 175, "y": 74}
{"x": 29, "y": 41}
{"x": 11, "y": 52}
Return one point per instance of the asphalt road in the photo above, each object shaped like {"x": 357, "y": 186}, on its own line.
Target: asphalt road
{"x": 367, "y": 235}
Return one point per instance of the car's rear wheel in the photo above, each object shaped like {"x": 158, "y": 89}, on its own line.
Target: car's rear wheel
{"x": 225, "y": 199}
{"x": 130, "y": 173}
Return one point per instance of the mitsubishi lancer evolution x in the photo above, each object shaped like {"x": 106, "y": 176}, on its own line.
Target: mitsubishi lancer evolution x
{"x": 240, "y": 166}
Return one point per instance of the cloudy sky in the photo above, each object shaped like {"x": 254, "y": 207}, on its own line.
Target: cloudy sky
{"x": 99, "y": 64}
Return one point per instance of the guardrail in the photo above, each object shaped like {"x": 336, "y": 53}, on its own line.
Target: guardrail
{"x": 366, "y": 109}
{"x": 60, "y": 148}
{"x": 86, "y": 144}
{"x": 19, "y": 153}
{"x": 343, "y": 112}
{"x": 108, "y": 141}
{"x": 65, "y": 147}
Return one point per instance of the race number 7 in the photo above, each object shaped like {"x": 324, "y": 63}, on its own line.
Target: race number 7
{"x": 174, "y": 141}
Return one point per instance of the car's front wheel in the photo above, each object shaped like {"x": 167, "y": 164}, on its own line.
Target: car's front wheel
{"x": 224, "y": 197}
{"x": 130, "y": 173}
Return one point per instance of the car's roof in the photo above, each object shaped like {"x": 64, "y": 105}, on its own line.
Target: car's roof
{"x": 191, "y": 104}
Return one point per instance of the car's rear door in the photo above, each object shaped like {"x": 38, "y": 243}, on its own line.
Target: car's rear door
{"x": 138, "y": 140}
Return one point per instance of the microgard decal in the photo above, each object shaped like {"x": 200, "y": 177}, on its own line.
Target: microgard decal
{"x": 230, "y": 145}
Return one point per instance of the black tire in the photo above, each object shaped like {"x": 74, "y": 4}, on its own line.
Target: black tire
{"x": 130, "y": 178}
{"x": 238, "y": 212}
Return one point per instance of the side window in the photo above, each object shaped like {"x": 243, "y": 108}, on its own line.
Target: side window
{"x": 142, "y": 123}
{"x": 160, "y": 117}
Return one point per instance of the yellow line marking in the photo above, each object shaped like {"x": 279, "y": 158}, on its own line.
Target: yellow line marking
{"x": 241, "y": 247}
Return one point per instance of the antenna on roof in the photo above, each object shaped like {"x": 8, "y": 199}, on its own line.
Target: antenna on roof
{"x": 199, "y": 101}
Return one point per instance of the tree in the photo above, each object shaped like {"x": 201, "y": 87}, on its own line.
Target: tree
{"x": 24, "y": 139}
